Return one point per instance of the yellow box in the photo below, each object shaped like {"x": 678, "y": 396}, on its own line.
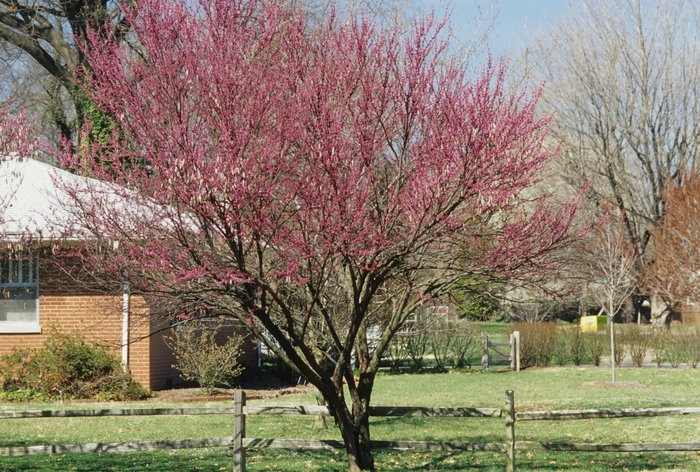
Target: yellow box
{"x": 593, "y": 323}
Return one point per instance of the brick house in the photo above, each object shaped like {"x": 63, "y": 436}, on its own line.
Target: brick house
{"x": 37, "y": 296}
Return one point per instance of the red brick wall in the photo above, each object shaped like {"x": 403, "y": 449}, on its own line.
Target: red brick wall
{"x": 690, "y": 315}
{"x": 67, "y": 307}
{"x": 62, "y": 303}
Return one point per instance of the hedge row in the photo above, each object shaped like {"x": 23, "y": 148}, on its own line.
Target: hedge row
{"x": 446, "y": 344}
{"x": 543, "y": 344}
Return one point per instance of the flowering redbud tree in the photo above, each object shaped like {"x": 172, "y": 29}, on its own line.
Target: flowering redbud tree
{"x": 318, "y": 185}
{"x": 18, "y": 139}
{"x": 16, "y": 134}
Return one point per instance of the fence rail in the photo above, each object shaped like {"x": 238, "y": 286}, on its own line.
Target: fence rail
{"x": 168, "y": 444}
{"x": 603, "y": 413}
{"x": 114, "y": 412}
{"x": 239, "y": 442}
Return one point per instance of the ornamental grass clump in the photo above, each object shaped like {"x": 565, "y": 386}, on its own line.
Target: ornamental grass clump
{"x": 561, "y": 352}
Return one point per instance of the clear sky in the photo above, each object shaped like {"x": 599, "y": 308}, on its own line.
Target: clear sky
{"x": 516, "y": 18}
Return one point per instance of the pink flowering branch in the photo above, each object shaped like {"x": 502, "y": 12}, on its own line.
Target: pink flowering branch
{"x": 18, "y": 140}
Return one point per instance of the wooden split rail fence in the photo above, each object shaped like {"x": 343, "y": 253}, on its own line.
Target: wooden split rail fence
{"x": 239, "y": 442}
{"x": 512, "y": 353}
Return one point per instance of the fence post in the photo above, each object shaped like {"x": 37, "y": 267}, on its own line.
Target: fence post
{"x": 484, "y": 350}
{"x": 510, "y": 431}
{"x": 516, "y": 336}
{"x": 238, "y": 431}
{"x": 511, "y": 340}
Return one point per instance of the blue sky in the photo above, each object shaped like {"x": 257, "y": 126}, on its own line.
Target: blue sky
{"x": 516, "y": 18}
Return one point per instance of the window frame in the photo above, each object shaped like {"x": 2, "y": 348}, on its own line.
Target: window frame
{"x": 20, "y": 327}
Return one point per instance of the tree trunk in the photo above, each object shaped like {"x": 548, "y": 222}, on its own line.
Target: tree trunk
{"x": 354, "y": 428}
{"x": 660, "y": 311}
{"x": 357, "y": 444}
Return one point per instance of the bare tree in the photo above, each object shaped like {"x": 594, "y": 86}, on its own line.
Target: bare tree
{"x": 610, "y": 261}
{"x": 624, "y": 79}
{"x": 35, "y": 91}
{"x": 45, "y": 32}
{"x": 533, "y": 305}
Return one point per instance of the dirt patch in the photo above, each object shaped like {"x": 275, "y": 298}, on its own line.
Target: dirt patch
{"x": 255, "y": 389}
{"x": 616, "y": 384}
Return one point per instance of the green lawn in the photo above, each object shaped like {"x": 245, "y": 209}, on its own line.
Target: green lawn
{"x": 535, "y": 389}
{"x": 495, "y": 330}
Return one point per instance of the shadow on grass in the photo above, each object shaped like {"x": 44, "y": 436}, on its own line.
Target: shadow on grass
{"x": 219, "y": 459}
{"x": 495, "y": 368}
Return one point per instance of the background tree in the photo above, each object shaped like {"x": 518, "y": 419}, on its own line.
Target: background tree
{"x": 46, "y": 32}
{"x": 610, "y": 261}
{"x": 623, "y": 77}
{"x": 675, "y": 267}
{"x": 535, "y": 306}
{"x": 319, "y": 185}
{"x": 476, "y": 301}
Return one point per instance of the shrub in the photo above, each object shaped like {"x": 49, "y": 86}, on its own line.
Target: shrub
{"x": 597, "y": 344}
{"x": 561, "y": 350}
{"x": 577, "y": 344}
{"x": 620, "y": 345}
{"x": 440, "y": 341}
{"x": 67, "y": 366}
{"x": 676, "y": 348}
{"x": 537, "y": 342}
{"x": 14, "y": 369}
{"x": 397, "y": 352}
{"x": 417, "y": 343}
{"x": 693, "y": 338}
{"x": 637, "y": 340}
{"x": 201, "y": 358}
{"x": 658, "y": 342}
{"x": 466, "y": 343}
{"x": 417, "y": 348}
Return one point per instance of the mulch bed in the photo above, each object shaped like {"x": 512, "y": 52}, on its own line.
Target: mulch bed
{"x": 257, "y": 388}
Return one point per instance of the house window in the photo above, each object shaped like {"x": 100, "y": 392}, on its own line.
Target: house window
{"x": 19, "y": 294}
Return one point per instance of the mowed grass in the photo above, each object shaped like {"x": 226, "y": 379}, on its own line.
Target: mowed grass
{"x": 535, "y": 389}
